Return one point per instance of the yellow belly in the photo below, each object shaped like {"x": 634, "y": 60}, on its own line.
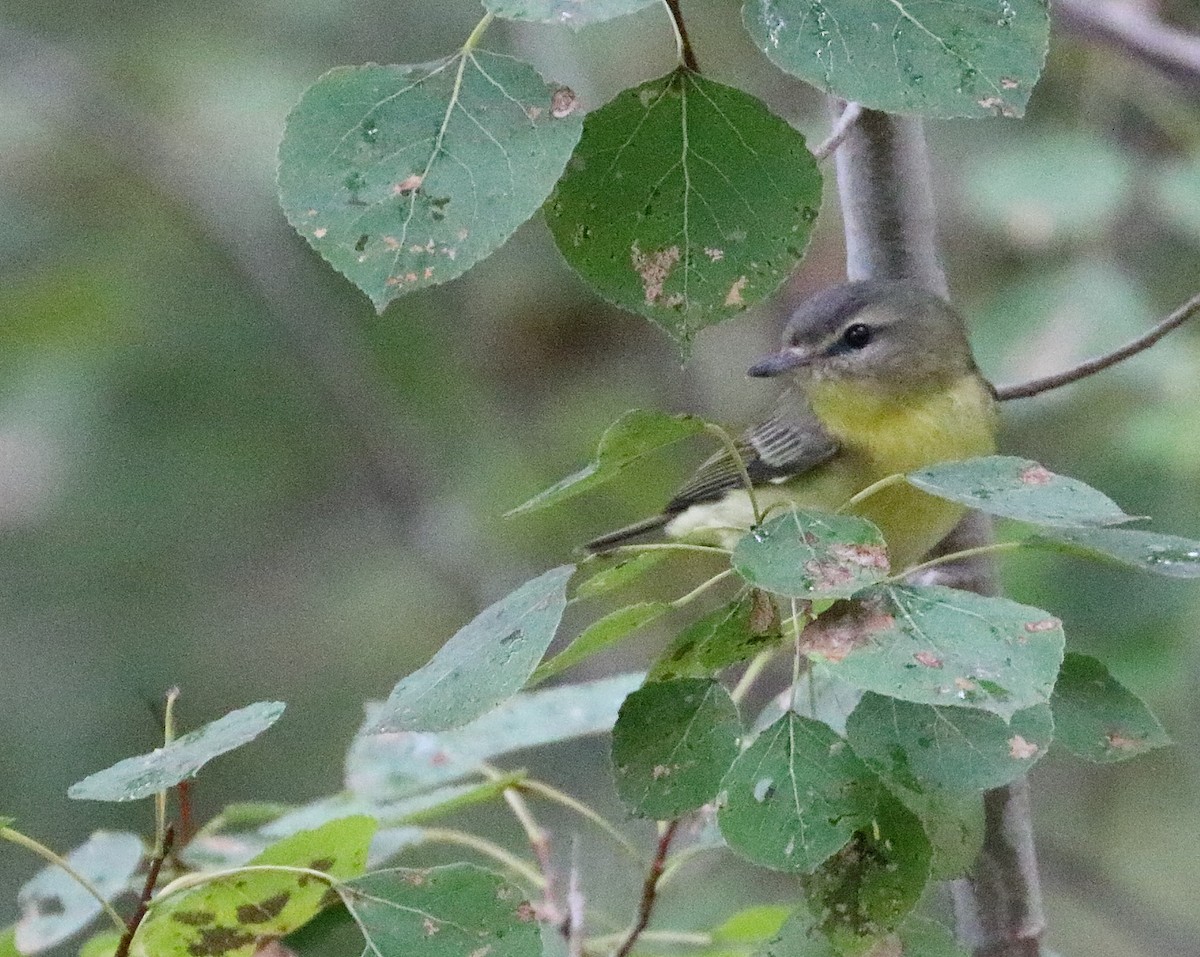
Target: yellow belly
{"x": 878, "y": 438}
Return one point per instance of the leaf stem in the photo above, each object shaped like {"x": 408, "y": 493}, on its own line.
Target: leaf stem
{"x": 487, "y": 849}
{"x": 751, "y": 674}
{"x": 188, "y": 881}
{"x": 699, "y": 590}
{"x": 677, "y": 937}
{"x": 670, "y": 547}
{"x": 160, "y": 799}
{"x": 683, "y": 43}
{"x": 988, "y": 549}
{"x": 551, "y": 793}
{"x": 476, "y": 35}
{"x": 27, "y": 842}
{"x": 870, "y": 490}
{"x": 539, "y": 843}
{"x": 841, "y": 129}
{"x": 731, "y": 447}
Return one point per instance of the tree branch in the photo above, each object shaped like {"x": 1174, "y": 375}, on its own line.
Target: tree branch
{"x": 1100, "y": 363}
{"x": 1136, "y": 34}
{"x": 649, "y": 889}
{"x": 887, "y": 207}
{"x": 135, "y": 921}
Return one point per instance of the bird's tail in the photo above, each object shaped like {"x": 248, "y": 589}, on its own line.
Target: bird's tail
{"x": 622, "y": 535}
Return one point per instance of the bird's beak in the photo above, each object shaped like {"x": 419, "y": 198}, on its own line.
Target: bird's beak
{"x": 780, "y": 362}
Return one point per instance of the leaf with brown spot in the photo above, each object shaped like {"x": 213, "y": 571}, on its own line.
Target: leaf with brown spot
{"x": 686, "y": 201}
{"x": 1018, "y": 488}
{"x": 1098, "y": 718}
{"x": 450, "y": 911}
{"x": 810, "y": 555}
{"x": 721, "y": 638}
{"x": 990, "y": 658}
{"x": 228, "y": 916}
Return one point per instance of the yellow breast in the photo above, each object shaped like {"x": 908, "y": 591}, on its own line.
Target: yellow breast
{"x": 878, "y": 437}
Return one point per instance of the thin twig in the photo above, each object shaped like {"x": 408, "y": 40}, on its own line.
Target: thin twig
{"x": 1099, "y": 364}
{"x": 686, "y": 55}
{"x": 576, "y": 909}
{"x": 1136, "y": 34}
{"x": 649, "y": 889}
{"x": 539, "y": 843}
{"x": 551, "y": 793}
{"x": 156, "y": 864}
{"x": 841, "y": 129}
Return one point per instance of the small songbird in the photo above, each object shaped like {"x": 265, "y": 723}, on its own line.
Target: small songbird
{"x": 884, "y": 382}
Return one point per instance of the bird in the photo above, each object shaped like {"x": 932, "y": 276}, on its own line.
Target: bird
{"x": 883, "y": 382}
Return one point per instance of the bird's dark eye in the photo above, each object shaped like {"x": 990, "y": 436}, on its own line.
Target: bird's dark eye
{"x": 857, "y": 336}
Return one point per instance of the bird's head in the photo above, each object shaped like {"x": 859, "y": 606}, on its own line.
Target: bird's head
{"x": 887, "y": 337}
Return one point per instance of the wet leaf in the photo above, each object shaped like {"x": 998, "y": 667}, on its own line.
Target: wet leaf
{"x": 868, "y": 887}
{"x": 405, "y": 176}
{"x": 925, "y": 747}
{"x": 812, "y": 555}
{"x": 1021, "y": 489}
{"x": 1166, "y": 555}
{"x": 1098, "y": 718}
{"x": 232, "y": 915}
{"x": 54, "y": 906}
{"x": 485, "y": 663}
{"x": 613, "y": 627}
{"x": 633, "y": 435}
{"x": 718, "y": 640}
{"x": 147, "y": 774}
{"x": 451, "y": 911}
{"x": 941, "y": 646}
{"x": 623, "y": 572}
{"x": 572, "y": 13}
{"x": 686, "y": 201}
{"x": 970, "y": 58}
{"x": 391, "y": 765}
{"x": 796, "y": 796}
{"x": 672, "y": 743}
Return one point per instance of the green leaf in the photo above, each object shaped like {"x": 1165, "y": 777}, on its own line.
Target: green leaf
{"x": 1021, "y": 489}
{"x": 686, "y": 201}
{"x": 751, "y": 925}
{"x": 921, "y": 937}
{"x": 868, "y": 887}
{"x": 624, "y": 572}
{"x": 811, "y": 555}
{"x": 633, "y": 435}
{"x": 147, "y": 774}
{"x": 405, "y": 176}
{"x": 1166, "y": 555}
{"x": 485, "y": 663}
{"x": 969, "y": 58}
{"x": 672, "y": 744}
{"x": 231, "y": 915}
{"x": 800, "y": 936}
{"x": 54, "y": 906}
{"x": 442, "y": 912}
{"x": 572, "y": 13}
{"x": 718, "y": 640}
{"x": 954, "y": 825}
{"x": 388, "y": 766}
{"x": 796, "y": 796}
{"x": 941, "y": 646}
{"x": 102, "y": 945}
{"x": 926, "y": 747}
{"x": 599, "y": 635}
{"x": 1098, "y": 718}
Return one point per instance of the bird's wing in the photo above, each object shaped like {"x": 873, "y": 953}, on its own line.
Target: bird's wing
{"x": 790, "y": 442}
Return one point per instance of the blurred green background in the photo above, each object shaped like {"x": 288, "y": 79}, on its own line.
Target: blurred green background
{"x": 220, "y": 469}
